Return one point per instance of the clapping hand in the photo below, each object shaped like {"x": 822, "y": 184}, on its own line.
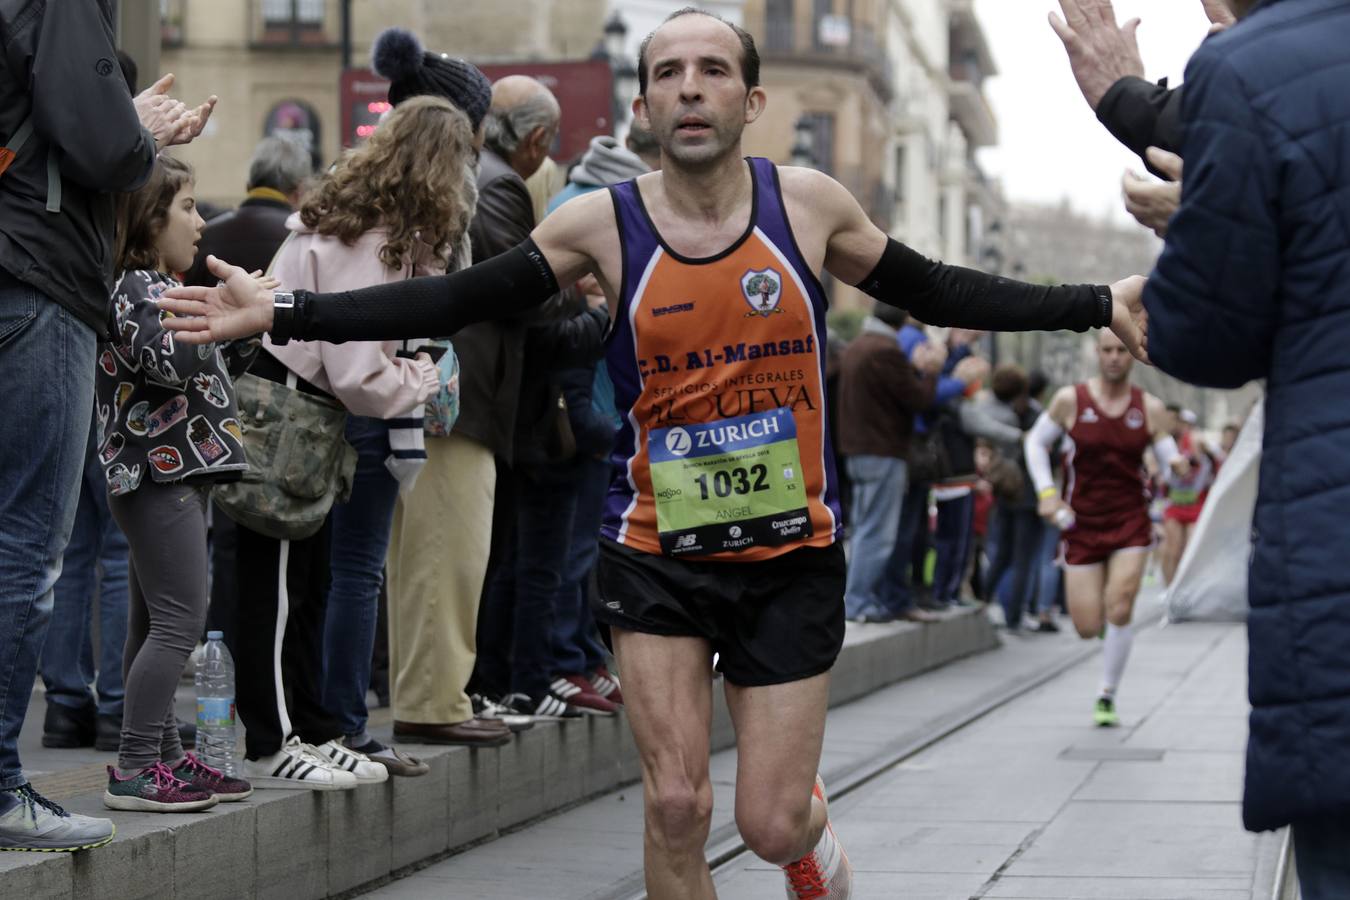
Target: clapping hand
{"x": 1153, "y": 203}
{"x": 1100, "y": 52}
{"x": 169, "y": 120}
{"x": 1128, "y": 319}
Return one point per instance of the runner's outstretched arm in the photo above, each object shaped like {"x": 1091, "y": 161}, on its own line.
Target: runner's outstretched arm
{"x": 935, "y": 293}
{"x": 506, "y": 285}
{"x": 1036, "y": 446}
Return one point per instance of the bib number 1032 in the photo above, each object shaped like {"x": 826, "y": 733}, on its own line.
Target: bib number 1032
{"x": 734, "y": 482}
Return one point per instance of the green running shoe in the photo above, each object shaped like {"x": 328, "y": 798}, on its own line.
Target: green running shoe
{"x": 1104, "y": 713}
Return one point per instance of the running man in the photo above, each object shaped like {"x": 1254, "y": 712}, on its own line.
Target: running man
{"x": 722, "y": 529}
{"x": 1187, "y": 488}
{"x": 1110, "y": 423}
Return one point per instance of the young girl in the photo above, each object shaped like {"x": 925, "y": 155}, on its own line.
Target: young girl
{"x": 167, "y": 429}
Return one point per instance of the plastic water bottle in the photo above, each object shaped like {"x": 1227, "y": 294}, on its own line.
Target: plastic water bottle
{"x": 214, "y": 679}
{"x": 1064, "y": 518}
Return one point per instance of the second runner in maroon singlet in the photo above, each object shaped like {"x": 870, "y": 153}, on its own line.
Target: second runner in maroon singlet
{"x": 1105, "y": 482}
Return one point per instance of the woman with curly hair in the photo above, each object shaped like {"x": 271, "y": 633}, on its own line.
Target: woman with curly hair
{"x": 397, "y": 207}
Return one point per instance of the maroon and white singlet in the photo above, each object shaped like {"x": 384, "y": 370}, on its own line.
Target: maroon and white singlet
{"x": 1105, "y": 482}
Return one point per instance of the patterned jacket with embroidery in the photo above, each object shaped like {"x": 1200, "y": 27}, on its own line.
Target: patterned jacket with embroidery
{"x": 165, "y": 408}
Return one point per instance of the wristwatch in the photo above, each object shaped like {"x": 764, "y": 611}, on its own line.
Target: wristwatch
{"x": 1104, "y": 304}
{"x": 283, "y": 317}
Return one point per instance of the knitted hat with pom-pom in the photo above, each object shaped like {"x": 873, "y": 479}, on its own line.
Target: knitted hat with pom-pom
{"x": 412, "y": 72}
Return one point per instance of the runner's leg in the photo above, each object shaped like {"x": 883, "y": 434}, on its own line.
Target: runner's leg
{"x": 1085, "y": 588}
{"x": 1174, "y": 544}
{"x": 1124, "y": 571}
{"x": 779, "y": 732}
{"x": 667, "y": 690}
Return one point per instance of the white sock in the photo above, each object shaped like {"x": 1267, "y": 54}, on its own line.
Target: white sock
{"x": 1119, "y": 639}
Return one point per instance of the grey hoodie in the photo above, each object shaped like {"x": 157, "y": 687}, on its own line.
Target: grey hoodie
{"x": 607, "y": 162}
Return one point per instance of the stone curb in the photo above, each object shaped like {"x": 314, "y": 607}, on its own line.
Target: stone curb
{"x": 298, "y": 845}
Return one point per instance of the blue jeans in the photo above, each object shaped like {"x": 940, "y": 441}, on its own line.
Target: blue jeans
{"x": 904, "y": 569}
{"x": 955, "y": 519}
{"x": 96, "y": 544}
{"x": 359, "y": 543}
{"x": 1019, "y": 544}
{"x": 47, "y": 359}
{"x": 1323, "y": 864}
{"x": 1048, "y": 578}
{"x": 516, "y": 621}
{"x": 576, "y": 643}
{"x": 878, "y": 492}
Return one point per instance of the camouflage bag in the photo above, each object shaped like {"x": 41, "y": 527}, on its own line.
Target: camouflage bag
{"x": 299, "y": 461}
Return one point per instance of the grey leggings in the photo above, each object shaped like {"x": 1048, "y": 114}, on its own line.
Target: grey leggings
{"x": 165, "y": 525}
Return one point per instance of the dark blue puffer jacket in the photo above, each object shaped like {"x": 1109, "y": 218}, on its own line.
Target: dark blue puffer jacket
{"x": 1255, "y": 283}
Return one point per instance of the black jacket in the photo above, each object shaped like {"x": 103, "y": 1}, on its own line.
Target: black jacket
{"x": 1141, "y": 114}
{"x": 247, "y": 237}
{"x": 491, "y": 354}
{"x": 60, "y": 66}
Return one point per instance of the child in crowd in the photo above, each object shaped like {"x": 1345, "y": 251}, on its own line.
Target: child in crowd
{"x": 167, "y": 429}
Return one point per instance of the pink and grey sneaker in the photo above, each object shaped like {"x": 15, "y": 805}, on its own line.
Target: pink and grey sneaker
{"x": 825, "y": 872}
{"x": 226, "y": 788}
{"x": 577, "y": 692}
{"x": 607, "y": 686}
{"x": 155, "y": 789}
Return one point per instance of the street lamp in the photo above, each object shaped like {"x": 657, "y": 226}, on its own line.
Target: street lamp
{"x": 803, "y": 147}
{"x": 615, "y": 32}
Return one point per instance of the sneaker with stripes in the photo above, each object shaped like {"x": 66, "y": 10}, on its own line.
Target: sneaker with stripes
{"x": 366, "y": 770}
{"x": 607, "y": 686}
{"x": 548, "y": 707}
{"x": 487, "y": 708}
{"x": 576, "y": 691}
{"x": 825, "y": 872}
{"x": 298, "y": 766}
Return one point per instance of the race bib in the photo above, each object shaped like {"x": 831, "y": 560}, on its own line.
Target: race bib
{"x": 729, "y": 485}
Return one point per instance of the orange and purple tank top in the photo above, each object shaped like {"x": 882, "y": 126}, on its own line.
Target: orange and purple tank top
{"x": 718, "y": 367}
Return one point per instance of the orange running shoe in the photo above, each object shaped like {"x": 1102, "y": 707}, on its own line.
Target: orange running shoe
{"x": 825, "y": 872}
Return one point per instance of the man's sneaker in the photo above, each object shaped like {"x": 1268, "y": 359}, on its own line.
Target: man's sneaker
{"x": 825, "y": 872}
{"x": 577, "y": 691}
{"x": 549, "y": 707}
{"x": 1104, "y": 713}
{"x": 155, "y": 789}
{"x": 607, "y": 686}
{"x": 487, "y": 708}
{"x": 363, "y": 767}
{"x": 226, "y": 788}
{"x": 298, "y": 766}
{"x": 396, "y": 761}
{"x": 29, "y": 821}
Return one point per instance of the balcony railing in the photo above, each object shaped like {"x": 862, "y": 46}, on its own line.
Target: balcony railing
{"x": 835, "y": 40}
{"x": 293, "y": 23}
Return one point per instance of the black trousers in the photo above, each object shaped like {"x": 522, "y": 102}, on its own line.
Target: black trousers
{"x": 294, "y": 607}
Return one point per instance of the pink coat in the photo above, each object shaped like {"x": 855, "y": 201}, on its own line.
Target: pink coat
{"x": 365, "y": 376}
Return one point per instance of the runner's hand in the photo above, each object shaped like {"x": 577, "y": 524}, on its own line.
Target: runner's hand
{"x": 1100, "y": 52}
{"x": 1047, "y": 507}
{"x": 1180, "y": 466}
{"x": 239, "y": 307}
{"x": 1128, "y": 319}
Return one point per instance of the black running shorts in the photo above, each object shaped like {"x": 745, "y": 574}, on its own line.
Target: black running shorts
{"x": 770, "y": 622}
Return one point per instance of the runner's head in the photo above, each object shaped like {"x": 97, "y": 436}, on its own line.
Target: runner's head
{"x": 1113, "y": 359}
{"x": 698, "y": 81}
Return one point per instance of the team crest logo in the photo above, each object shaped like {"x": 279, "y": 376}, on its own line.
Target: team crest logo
{"x": 1134, "y": 419}
{"x": 763, "y": 288}
{"x": 1088, "y": 416}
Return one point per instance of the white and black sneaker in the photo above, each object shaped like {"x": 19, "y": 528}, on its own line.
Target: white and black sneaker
{"x": 549, "y": 707}
{"x": 298, "y": 766}
{"x": 487, "y": 708}
{"x": 366, "y": 770}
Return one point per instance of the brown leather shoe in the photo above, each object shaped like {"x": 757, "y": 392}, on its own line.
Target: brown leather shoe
{"x": 919, "y": 615}
{"x": 475, "y": 732}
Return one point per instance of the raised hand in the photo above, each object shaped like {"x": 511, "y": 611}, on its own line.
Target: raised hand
{"x": 1129, "y": 321}
{"x": 1153, "y": 203}
{"x": 195, "y": 121}
{"x": 1100, "y": 52}
{"x": 1219, "y": 15}
{"x": 238, "y": 307}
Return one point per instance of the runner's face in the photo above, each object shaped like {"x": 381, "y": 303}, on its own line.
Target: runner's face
{"x": 177, "y": 243}
{"x": 696, "y": 103}
{"x": 1113, "y": 359}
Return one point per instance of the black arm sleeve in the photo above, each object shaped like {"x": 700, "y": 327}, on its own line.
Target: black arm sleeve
{"x": 939, "y": 294}
{"x": 1140, "y": 115}
{"x": 435, "y": 305}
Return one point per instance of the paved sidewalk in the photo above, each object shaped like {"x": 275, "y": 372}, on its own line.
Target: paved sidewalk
{"x": 1029, "y": 802}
